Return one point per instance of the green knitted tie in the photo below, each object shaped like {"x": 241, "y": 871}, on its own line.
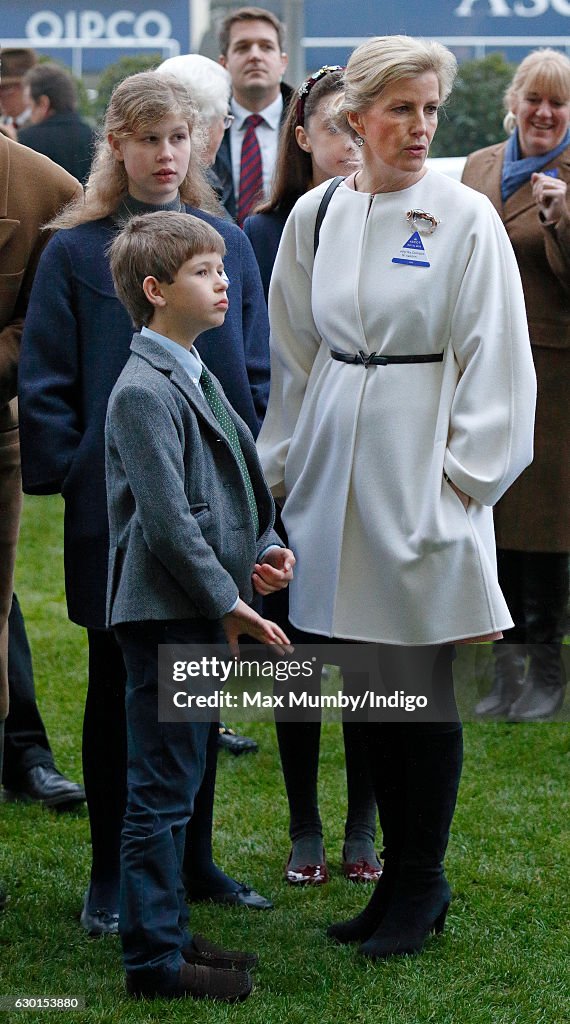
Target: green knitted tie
{"x": 223, "y": 417}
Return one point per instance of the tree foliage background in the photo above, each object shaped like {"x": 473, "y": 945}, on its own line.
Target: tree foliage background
{"x": 471, "y": 119}
{"x": 115, "y": 73}
{"x": 473, "y": 116}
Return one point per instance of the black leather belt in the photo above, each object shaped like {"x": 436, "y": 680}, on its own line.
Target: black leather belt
{"x": 375, "y": 360}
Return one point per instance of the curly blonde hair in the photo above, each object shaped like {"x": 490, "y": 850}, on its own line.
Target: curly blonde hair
{"x": 137, "y": 103}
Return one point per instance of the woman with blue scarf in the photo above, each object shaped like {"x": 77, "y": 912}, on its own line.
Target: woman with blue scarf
{"x": 526, "y": 179}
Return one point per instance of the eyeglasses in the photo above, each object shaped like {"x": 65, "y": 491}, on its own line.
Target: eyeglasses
{"x": 228, "y": 120}
{"x": 306, "y": 86}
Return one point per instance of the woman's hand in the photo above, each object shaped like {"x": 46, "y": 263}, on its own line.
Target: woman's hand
{"x": 243, "y": 619}
{"x": 549, "y": 195}
{"x": 274, "y": 571}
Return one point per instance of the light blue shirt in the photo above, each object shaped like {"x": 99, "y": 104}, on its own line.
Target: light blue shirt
{"x": 188, "y": 358}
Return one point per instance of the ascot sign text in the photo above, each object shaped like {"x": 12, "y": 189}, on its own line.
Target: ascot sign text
{"x": 87, "y": 25}
{"x": 520, "y": 8}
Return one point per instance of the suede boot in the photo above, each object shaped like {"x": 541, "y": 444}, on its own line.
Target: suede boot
{"x": 420, "y": 895}
{"x": 386, "y": 768}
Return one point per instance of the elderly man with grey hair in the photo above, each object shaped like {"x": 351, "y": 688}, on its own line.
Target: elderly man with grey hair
{"x": 210, "y": 85}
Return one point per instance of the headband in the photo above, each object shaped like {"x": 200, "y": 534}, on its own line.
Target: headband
{"x": 307, "y": 85}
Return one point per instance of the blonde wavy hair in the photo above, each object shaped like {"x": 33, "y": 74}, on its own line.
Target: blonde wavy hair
{"x": 137, "y": 104}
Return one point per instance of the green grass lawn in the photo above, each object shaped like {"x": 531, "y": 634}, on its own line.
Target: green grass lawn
{"x": 502, "y": 960}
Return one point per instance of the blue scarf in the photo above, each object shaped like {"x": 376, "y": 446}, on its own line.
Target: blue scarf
{"x": 517, "y": 170}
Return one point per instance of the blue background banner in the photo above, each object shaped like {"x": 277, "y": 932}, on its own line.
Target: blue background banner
{"x": 133, "y": 25}
{"x": 332, "y": 27}
{"x": 438, "y": 17}
{"x": 471, "y": 27}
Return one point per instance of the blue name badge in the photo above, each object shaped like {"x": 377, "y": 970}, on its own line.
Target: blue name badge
{"x": 412, "y": 253}
{"x": 552, "y": 173}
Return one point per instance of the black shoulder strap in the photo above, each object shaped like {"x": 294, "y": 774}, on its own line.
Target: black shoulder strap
{"x": 323, "y": 209}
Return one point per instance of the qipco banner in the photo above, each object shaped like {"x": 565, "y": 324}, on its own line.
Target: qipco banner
{"x": 95, "y": 34}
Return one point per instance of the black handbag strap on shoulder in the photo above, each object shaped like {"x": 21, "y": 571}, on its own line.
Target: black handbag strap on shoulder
{"x": 323, "y": 209}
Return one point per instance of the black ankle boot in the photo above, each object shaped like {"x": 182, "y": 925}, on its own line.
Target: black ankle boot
{"x": 418, "y": 907}
{"x": 509, "y": 669}
{"x": 361, "y": 927}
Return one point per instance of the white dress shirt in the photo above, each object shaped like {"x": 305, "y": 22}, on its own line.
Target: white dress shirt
{"x": 267, "y": 137}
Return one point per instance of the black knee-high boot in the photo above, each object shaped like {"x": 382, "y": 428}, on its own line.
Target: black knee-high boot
{"x": 384, "y": 747}
{"x": 420, "y": 894}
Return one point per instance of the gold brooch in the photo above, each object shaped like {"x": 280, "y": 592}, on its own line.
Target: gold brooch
{"x": 423, "y": 222}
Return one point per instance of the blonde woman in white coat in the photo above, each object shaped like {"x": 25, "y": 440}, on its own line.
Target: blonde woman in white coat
{"x": 401, "y": 409}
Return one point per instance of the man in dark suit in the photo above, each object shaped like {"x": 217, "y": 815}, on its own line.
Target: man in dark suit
{"x": 251, "y": 48}
{"x": 55, "y": 128}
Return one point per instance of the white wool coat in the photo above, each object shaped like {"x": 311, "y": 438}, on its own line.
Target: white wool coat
{"x": 385, "y": 549}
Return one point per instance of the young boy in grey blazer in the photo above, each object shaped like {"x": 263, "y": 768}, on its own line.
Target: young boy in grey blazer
{"x": 191, "y": 538}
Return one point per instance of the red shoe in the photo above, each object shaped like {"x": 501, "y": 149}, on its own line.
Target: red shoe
{"x": 309, "y": 874}
{"x": 360, "y": 870}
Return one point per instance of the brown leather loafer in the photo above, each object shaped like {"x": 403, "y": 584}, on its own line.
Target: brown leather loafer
{"x": 198, "y": 982}
{"x": 308, "y": 874}
{"x": 209, "y": 954}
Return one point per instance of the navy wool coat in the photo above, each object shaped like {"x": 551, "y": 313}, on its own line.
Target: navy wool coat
{"x": 76, "y": 341}
{"x": 264, "y": 231}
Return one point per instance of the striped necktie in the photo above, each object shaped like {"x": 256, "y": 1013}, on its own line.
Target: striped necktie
{"x": 212, "y": 396}
{"x": 251, "y": 174}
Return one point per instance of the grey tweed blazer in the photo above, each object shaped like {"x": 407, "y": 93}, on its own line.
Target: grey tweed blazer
{"x": 182, "y": 540}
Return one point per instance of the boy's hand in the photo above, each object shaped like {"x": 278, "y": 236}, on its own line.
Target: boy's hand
{"x": 274, "y": 571}
{"x": 243, "y": 619}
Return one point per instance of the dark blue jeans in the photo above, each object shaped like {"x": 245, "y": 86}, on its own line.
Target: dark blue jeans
{"x": 166, "y": 762}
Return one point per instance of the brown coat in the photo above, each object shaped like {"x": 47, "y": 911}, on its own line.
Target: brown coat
{"x": 534, "y": 514}
{"x": 32, "y": 190}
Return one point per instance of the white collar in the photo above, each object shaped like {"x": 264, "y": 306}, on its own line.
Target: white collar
{"x": 270, "y": 114}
